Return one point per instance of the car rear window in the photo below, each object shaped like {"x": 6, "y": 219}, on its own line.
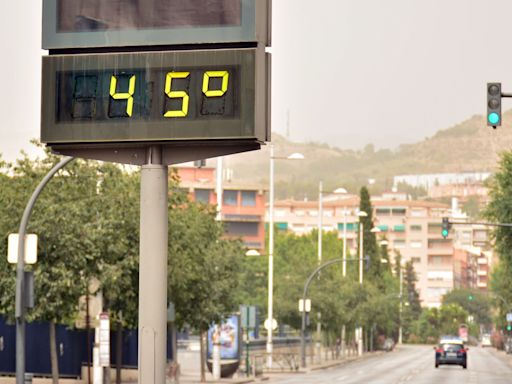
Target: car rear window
{"x": 452, "y": 347}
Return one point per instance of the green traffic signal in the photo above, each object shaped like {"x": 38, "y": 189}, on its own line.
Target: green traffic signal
{"x": 493, "y": 104}
{"x": 493, "y": 118}
{"x": 445, "y": 230}
{"x": 509, "y": 327}
{"x": 470, "y": 297}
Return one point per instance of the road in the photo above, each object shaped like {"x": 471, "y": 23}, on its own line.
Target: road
{"x": 412, "y": 364}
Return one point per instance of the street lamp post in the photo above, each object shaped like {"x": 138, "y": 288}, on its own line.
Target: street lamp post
{"x": 320, "y": 233}
{"x": 294, "y": 156}
{"x": 359, "y": 330}
{"x": 401, "y": 294}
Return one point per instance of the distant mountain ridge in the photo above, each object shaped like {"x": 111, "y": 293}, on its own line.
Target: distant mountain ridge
{"x": 468, "y": 146}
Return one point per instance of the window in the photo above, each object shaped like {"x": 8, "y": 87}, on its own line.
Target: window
{"x": 240, "y": 229}
{"x": 299, "y": 212}
{"x": 202, "y": 195}
{"x": 383, "y": 227}
{"x": 440, "y": 276}
{"x": 399, "y": 228}
{"x": 436, "y": 260}
{"x": 313, "y": 213}
{"x": 416, "y": 260}
{"x": 282, "y": 226}
{"x": 279, "y": 213}
{"x": 248, "y": 198}
{"x": 415, "y": 227}
{"x": 382, "y": 211}
{"x": 399, "y": 243}
{"x": 351, "y": 227}
{"x": 230, "y": 198}
{"x": 416, "y": 244}
{"x": 418, "y": 212}
{"x": 436, "y": 292}
{"x": 398, "y": 211}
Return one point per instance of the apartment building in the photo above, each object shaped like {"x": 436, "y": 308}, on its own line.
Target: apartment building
{"x": 412, "y": 228}
{"x": 243, "y": 206}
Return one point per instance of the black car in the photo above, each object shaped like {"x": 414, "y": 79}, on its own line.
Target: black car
{"x": 451, "y": 352}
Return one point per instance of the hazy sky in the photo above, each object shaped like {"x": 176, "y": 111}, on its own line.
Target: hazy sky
{"x": 347, "y": 72}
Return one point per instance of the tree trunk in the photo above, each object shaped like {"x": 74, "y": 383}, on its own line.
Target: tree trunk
{"x": 203, "y": 355}
{"x": 53, "y": 353}
{"x": 119, "y": 351}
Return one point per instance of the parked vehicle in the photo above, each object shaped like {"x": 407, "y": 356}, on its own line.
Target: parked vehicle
{"x": 486, "y": 340}
{"x": 451, "y": 351}
{"x": 508, "y": 345}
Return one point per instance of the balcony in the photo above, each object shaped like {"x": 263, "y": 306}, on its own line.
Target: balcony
{"x": 481, "y": 284}
{"x": 482, "y": 273}
{"x": 482, "y": 261}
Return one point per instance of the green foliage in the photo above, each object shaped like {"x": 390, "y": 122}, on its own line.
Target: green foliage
{"x": 473, "y": 301}
{"x": 369, "y": 239}
{"x": 499, "y": 210}
{"x": 340, "y": 300}
{"x": 87, "y": 220}
{"x": 203, "y": 268}
{"x": 436, "y": 322}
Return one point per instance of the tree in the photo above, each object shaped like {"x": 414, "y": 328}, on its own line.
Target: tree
{"x": 412, "y": 296}
{"x": 473, "y": 301}
{"x": 64, "y": 221}
{"x": 369, "y": 239}
{"x": 203, "y": 267}
{"x": 499, "y": 210}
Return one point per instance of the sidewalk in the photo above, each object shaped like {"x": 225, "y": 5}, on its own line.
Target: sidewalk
{"x": 191, "y": 376}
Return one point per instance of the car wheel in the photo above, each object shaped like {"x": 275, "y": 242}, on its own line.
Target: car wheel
{"x": 465, "y": 366}
{"x": 437, "y": 365}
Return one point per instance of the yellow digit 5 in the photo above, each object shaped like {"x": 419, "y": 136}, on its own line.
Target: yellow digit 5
{"x": 123, "y": 96}
{"x": 176, "y": 94}
{"x": 206, "y": 83}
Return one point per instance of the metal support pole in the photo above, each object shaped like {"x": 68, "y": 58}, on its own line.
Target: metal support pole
{"x": 20, "y": 273}
{"x": 361, "y": 255}
{"x": 270, "y": 259}
{"x": 320, "y": 232}
{"x": 401, "y": 303}
{"x": 153, "y": 269}
{"x": 344, "y": 271}
{"x": 304, "y": 295}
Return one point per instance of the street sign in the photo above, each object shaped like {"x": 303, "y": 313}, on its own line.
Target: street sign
{"x": 266, "y": 324}
{"x": 104, "y": 340}
{"x": 509, "y": 316}
{"x": 99, "y": 23}
{"x": 308, "y": 305}
{"x": 30, "y": 248}
{"x": 248, "y": 316}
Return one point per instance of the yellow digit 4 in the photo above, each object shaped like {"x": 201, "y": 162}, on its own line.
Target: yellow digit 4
{"x": 176, "y": 94}
{"x": 123, "y": 96}
{"x": 215, "y": 92}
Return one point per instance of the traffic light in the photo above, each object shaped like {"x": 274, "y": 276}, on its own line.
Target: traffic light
{"x": 493, "y": 104}
{"x": 470, "y": 297}
{"x": 509, "y": 327}
{"x": 446, "y": 227}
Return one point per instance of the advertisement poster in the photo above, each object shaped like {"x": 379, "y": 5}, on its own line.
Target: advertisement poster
{"x": 227, "y": 334}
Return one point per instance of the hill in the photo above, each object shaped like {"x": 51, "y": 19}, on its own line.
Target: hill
{"x": 468, "y": 146}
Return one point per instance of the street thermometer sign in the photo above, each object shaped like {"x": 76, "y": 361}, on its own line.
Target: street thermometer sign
{"x": 190, "y": 76}
{"x": 154, "y": 83}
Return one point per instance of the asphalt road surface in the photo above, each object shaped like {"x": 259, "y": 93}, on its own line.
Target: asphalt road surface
{"x": 412, "y": 364}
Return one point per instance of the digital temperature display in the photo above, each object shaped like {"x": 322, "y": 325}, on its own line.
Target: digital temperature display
{"x": 155, "y": 96}
{"x": 114, "y": 95}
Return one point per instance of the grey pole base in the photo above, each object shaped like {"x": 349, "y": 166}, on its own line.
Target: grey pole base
{"x": 153, "y": 274}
